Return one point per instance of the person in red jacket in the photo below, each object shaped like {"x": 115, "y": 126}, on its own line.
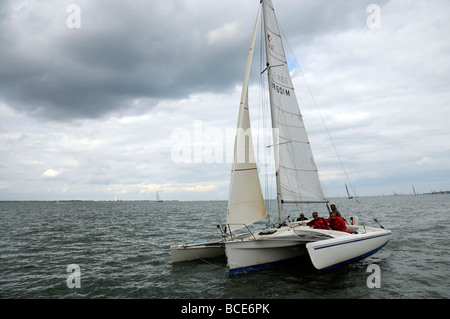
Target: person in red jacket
{"x": 337, "y": 223}
{"x": 318, "y": 222}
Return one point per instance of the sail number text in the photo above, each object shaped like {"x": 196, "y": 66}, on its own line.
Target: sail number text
{"x": 281, "y": 90}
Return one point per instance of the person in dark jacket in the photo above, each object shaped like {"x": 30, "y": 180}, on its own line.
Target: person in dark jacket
{"x": 334, "y": 210}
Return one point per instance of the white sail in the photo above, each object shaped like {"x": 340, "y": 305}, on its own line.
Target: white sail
{"x": 297, "y": 176}
{"x": 348, "y": 193}
{"x": 245, "y": 201}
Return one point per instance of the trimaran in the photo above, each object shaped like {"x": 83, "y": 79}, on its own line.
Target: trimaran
{"x": 297, "y": 181}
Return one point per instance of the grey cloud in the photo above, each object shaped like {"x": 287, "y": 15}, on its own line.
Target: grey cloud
{"x": 127, "y": 50}
{"x": 121, "y": 52}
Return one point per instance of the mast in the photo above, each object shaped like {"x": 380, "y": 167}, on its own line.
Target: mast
{"x": 275, "y": 142}
{"x": 297, "y": 178}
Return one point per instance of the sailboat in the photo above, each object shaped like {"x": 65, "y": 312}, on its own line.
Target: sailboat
{"x": 297, "y": 181}
{"x": 348, "y": 193}
{"x": 158, "y": 198}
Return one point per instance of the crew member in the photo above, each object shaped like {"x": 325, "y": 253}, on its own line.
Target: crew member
{"x": 337, "y": 223}
{"x": 318, "y": 222}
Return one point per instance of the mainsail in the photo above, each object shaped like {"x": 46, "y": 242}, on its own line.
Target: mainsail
{"x": 297, "y": 176}
{"x": 245, "y": 201}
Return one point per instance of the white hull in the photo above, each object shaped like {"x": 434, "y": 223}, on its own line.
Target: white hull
{"x": 258, "y": 252}
{"x": 244, "y": 256}
{"x": 194, "y": 251}
{"x": 347, "y": 249}
{"x": 326, "y": 248}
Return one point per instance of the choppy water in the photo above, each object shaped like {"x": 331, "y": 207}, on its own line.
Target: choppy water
{"x": 122, "y": 249}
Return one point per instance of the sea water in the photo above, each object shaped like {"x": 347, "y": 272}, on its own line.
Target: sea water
{"x": 120, "y": 249}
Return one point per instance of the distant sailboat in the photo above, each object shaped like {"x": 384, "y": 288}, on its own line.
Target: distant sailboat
{"x": 348, "y": 193}
{"x": 158, "y": 198}
{"x": 297, "y": 181}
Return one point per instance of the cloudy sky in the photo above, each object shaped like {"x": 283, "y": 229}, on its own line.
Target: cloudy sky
{"x": 119, "y": 99}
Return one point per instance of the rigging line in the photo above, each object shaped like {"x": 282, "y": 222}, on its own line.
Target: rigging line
{"x": 320, "y": 115}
